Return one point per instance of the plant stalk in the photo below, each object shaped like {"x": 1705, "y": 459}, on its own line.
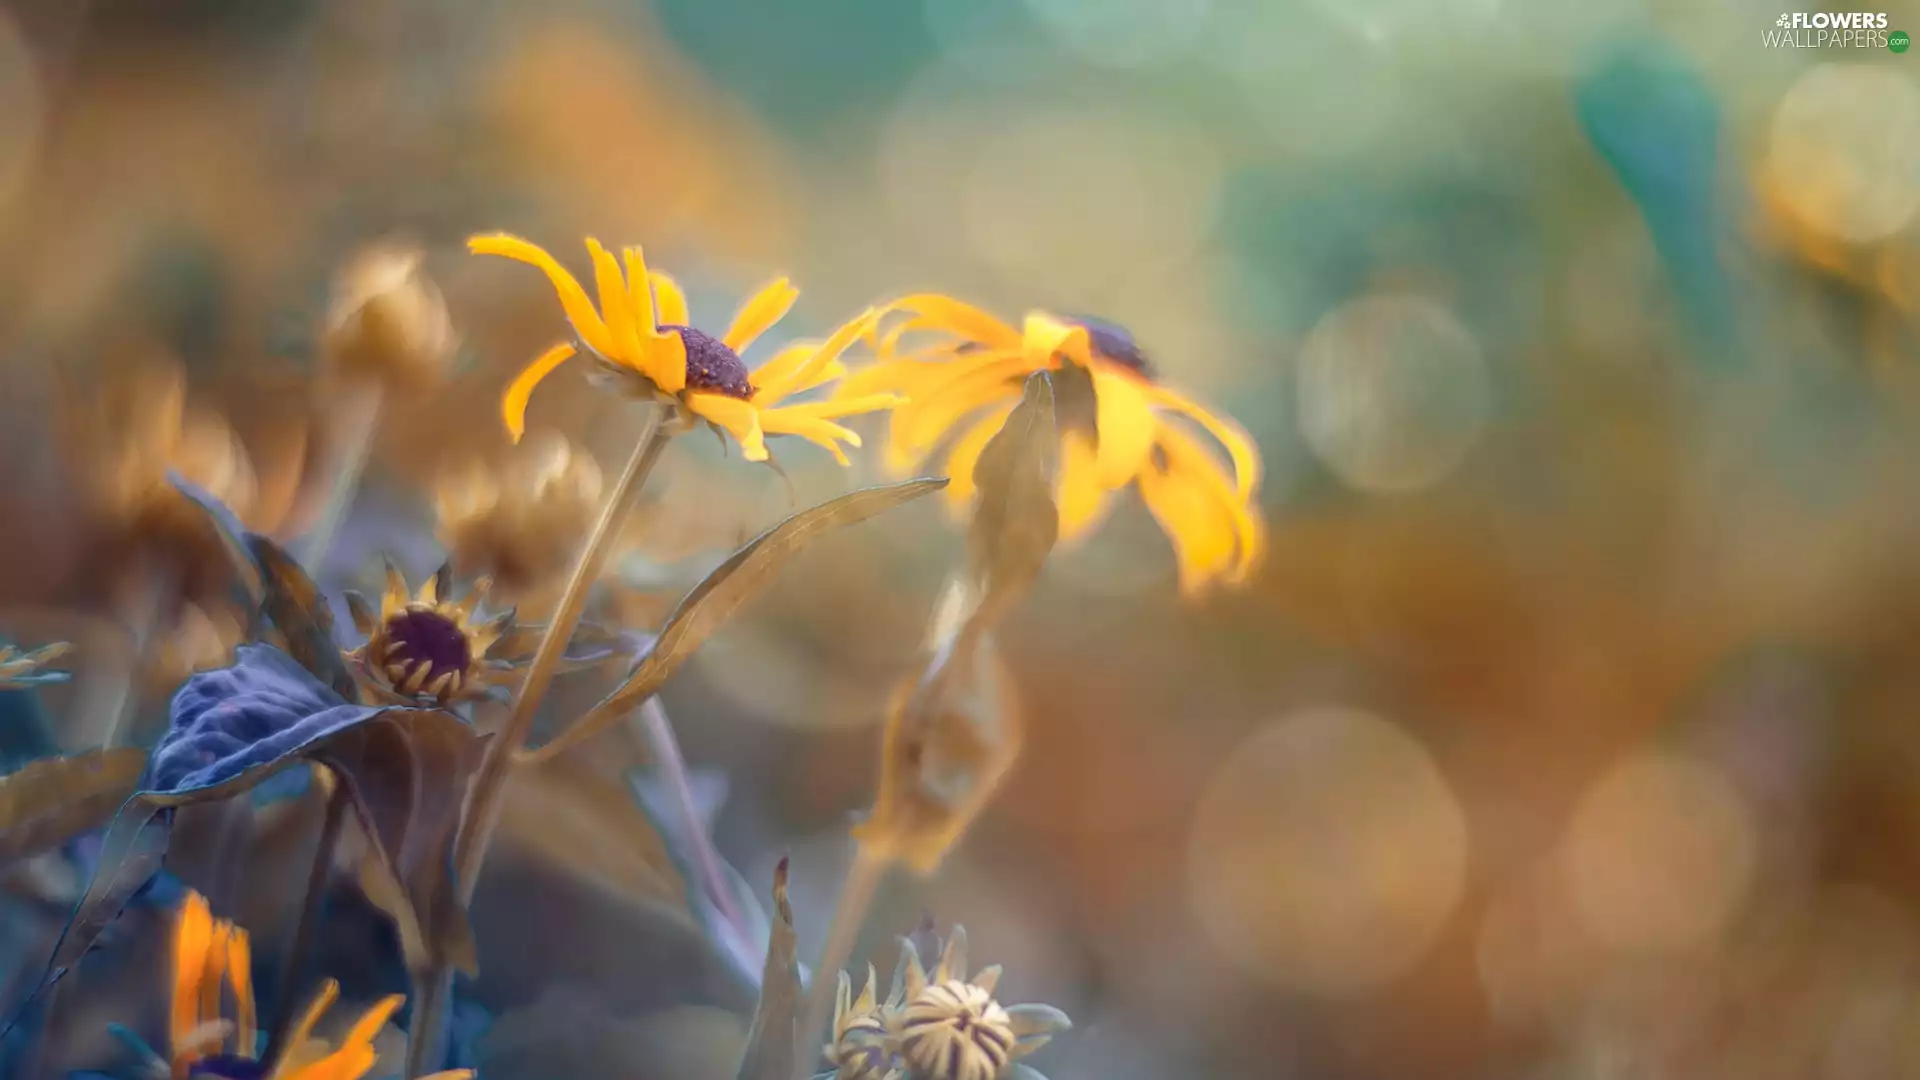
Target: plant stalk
{"x": 300, "y": 952}
{"x": 359, "y": 411}
{"x": 496, "y": 767}
{"x": 849, "y": 915}
{"x": 657, "y": 734}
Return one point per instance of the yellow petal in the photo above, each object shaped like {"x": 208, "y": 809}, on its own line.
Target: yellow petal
{"x": 302, "y": 1032}
{"x": 805, "y": 373}
{"x": 771, "y": 379}
{"x": 662, "y": 355}
{"x": 838, "y": 407}
{"x": 1202, "y": 537}
{"x": 1191, "y": 464}
{"x": 513, "y": 404}
{"x": 667, "y": 362}
{"x": 904, "y": 376}
{"x": 957, "y": 317}
{"x": 739, "y": 418}
{"x": 240, "y": 977}
{"x": 766, "y": 307}
{"x": 1125, "y": 423}
{"x": 920, "y": 423}
{"x": 670, "y": 300}
{"x": 573, "y": 298}
{"x": 1239, "y": 445}
{"x": 192, "y": 937}
{"x": 1046, "y": 337}
{"x": 373, "y": 1020}
{"x": 822, "y": 433}
{"x": 966, "y": 454}
{"x": 638, "y": 295}
{"x": 1082, "y": 500}
{"x": 213, "y": 978}
{"x": 616, "y": 304}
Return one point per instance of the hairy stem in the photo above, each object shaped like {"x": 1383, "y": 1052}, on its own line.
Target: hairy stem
{"x": 301, "y": 949}
{"x": 849, "y": 915}
{"x": 496, "y": 768}
{"x": 359, "y": 412}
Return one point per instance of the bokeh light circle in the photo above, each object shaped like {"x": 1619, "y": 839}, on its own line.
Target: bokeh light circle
{"x": 1327, "y": 853}
{"x": 1843, "y": 154}
{"x": 1393, "y": 392}
{"x": 1659, "y": 855}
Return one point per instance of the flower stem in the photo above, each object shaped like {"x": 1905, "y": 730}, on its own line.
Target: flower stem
{"x": 849, "y": 915}
{"x": 301, "y": 949}
{"x": 359, "y": 413}
{"x": 656, "y": 733}
{"x": 496, "y": 768}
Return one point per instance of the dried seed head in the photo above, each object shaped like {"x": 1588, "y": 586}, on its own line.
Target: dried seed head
{"x": 388, "y": 321}
{"x": 520, "y": 525}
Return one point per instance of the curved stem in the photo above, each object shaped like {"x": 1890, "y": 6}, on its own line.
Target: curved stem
{"x": 435, "y": 988}
{"x": 301, "y": 950}
{"x": 849, "y": 915}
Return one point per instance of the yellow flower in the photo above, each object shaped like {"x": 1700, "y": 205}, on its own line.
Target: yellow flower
{"x": 210, "y": 956}
{"x": 640, "y": 329}
{"x": 427, "y": 649}
{"x": 1118, "y": 426}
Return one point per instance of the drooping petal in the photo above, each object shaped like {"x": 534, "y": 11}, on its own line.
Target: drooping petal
{"x": 1045, "y": 337}
{"x": 1125, "y": 423}
{"x": 213, "y": 978}
{"x": 616, "y": 306}
{"x": 822, "y": 433}
{"x": 1238, "y": 444}
{"x": 762, "y": 310}
{"x": 513, "y": 404}
{"x": 670, "y": 300}
{"x": 958, "y": 317}
{"x": 965, "y": 454}
{"x": 300, "y": 1036}
{"x": 917, "y": 425}
{"x": 667, "y": 362}
{"x": 1082, "y": 499}
{"x": 738, "y": 418}
{"x": 1192, "y": 464}
{"x": 573, "y": 298}
{"x": 192, "y": 938}
{"x": 1199, "y": 527}
{"x": 240, "y": 977}
{"x": 662, "y": 355}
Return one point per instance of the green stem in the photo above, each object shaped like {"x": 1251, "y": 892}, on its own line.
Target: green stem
{"x": 301, "y": 950}
{"x": 496, "y": 768}
{"x": 849, "y": 915}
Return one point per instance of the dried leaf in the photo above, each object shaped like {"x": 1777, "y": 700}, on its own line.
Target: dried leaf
{"x": 54, "y": 800}
{"x": 295, "y": 606}
{"x": 714, "y": 600}
{"x": 1015, "y": 522}
{"x": 771, "y": 1040}
{"x": 405, "y": 771}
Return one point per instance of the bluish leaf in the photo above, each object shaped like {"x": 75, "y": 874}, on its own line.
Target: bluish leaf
{"x": 296, "y": 607}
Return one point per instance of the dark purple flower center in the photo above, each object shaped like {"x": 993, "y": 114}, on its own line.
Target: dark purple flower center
{"x": 712, "y": 365}
{"x": 422, "y": 635}
{"x": 1112, "y": 343}
{"x": 229, "y": 1067}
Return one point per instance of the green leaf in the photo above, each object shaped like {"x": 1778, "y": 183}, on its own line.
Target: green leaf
{"x": 770, "y": 1042}
{"x": 294, "y": 605}
{"x": 712, "y": 602}
{"x": 54, "y": 800}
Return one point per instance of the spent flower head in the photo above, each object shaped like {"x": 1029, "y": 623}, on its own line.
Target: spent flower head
{"x": 939, "y": 1024}
{"x": 641, "y": 337}
{"x": 519, "y": 524}
{"x": 1119, "y": 426}
{"x": 388, "y": 322}
{"x": 427, "y": 648}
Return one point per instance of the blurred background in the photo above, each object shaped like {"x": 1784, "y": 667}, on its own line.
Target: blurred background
{"x": 1570, "y": 728}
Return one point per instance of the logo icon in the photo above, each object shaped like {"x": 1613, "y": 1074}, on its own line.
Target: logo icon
{"x": 1898, "y": 41}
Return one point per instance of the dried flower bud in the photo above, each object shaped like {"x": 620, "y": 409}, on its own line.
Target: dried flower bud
{"x": 939, "y": 1025}
{"x": 520, "y": 524}
{"x": 388, "y": 321}
{"x": 951, "y": 737}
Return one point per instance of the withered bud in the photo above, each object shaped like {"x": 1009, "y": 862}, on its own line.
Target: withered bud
{"x": 520, "y": 523}
{"x": 388, "y": 321}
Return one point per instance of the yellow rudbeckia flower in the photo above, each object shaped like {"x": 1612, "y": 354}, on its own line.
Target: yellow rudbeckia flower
{"x": 640, "y": 329}
{"x": 1118, "y": 426}
{"x": 211, "y": 955}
